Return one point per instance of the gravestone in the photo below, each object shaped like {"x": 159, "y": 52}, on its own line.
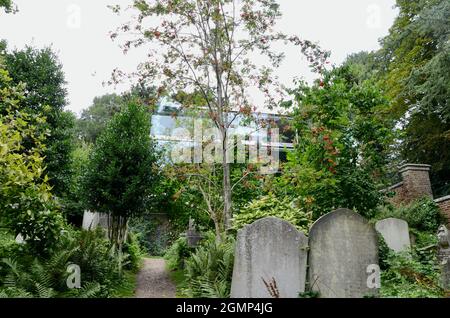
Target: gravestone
{"x": 343, "y": 248}
{"x": 270, "y": 260}
{"x": 395, "y": 233}
{"x": 92, "y": 220}
{"x": 192, "y": 235}
{"x": 20, "y": 239}
{"x": 444, "y": 256}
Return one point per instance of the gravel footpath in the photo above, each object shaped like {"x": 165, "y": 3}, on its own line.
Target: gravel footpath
{"x": 153, "y": 280}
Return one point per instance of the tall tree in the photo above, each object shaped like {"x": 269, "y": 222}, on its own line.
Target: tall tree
{"x": 27, "y": 206}
{"x": 209, "y": 47}
{"x": 45, "y": 94}
{"x": 415, "y": 71}
{"x": 122, "y": 170}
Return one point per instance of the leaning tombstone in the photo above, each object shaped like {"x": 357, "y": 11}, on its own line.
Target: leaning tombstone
{"x": 343, "y": 256}
{"x": 444, "y": 256}
{"x": 395, "y": 233}
{"x": 270, "y": 260}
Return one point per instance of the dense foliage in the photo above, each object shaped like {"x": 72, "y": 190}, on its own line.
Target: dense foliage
{"x": 414, "y": 273}
{"x": 45, "y": 95}
{"x": 210, "y": 268}
{"x": 27, "y": 205}
{"x": 411, "y": 274}
{"x": 178, "y": 252}
{"x": 7, "y": 5}
{"x": 423, "y": 214}
{"x": 340, "y": 156}
{"x": 412, "y": 67}
{"x": 270, "y": 205}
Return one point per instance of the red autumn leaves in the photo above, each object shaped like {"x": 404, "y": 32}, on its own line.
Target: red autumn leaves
{"x": 331, "y": 151}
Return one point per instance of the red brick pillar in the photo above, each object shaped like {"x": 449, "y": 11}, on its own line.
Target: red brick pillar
{"x": 416, "y": 181}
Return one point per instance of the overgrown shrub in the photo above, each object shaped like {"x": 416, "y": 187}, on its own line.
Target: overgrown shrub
{"x": 422, "y": 214}
{"x": 152, "y": 239}
{"x": 210, "y": 268}
{"x": 177, "y": 254}
{"x": 134, "y": 251}
{"x": 27, "y": 205}
{"x": 410, "y": 274}
{"x": 270, "y": 205}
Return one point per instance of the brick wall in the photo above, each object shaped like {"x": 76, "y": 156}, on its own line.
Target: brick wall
{"x": 444, "y": 205}
{"x": 400, "y": 193}
{"x": 416, "y": 180}
{"x": 415, "y": 184}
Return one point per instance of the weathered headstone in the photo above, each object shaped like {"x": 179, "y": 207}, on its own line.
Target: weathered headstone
{"x": 343, "y": 252}
{"x": 395, "y": 233}
{"x": 444, "y": 256}
{"x": 270, "y": 260}
{"x": 192, "y": 235}
{"x": 92, "y": 220}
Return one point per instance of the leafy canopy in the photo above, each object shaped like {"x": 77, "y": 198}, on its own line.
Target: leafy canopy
{"x": 342, "y": 144}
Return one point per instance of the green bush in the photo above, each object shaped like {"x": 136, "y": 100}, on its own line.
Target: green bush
{"x": 177, "y": 253}
{"x": 410, "y": 274}
{"x": 133, "y": 249}
{"x": 414, "y": 273}
{"x": 270, "y": 205}
{"x": 210, "y": 268}
{"x": 422, "y": 214}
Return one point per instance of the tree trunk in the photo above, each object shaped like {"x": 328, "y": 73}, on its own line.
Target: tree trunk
{"x": 117, "y": 230}
{"x": 227, "y": 204}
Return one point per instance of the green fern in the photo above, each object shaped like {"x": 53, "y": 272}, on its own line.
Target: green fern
{"x": 209, "y": 269}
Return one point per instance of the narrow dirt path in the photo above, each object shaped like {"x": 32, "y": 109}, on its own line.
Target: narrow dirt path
{"x": 153, "y": 280}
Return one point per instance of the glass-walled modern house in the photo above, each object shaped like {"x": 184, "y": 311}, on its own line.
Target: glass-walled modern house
{"x": 173, "y": 126}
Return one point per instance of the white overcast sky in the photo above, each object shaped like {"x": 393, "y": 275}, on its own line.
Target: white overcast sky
{"x": 78, "y": 31}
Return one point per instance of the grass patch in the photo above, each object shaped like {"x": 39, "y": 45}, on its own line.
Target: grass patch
{"x": 178, "y": 278}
